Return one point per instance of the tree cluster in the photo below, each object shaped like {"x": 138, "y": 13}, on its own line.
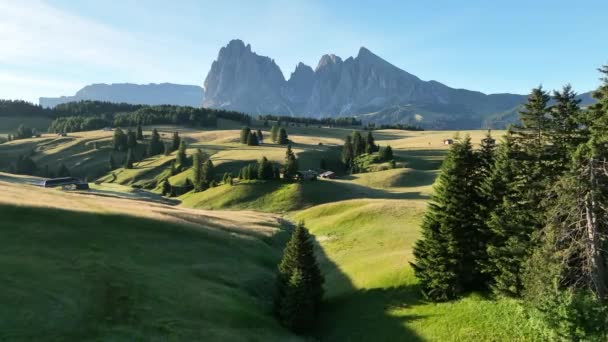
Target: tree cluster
{"x": 339, "y": 122}
{"x": 529, "y": 217}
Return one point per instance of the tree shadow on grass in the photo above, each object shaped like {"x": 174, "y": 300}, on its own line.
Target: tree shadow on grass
{"x": 351, "y": 314}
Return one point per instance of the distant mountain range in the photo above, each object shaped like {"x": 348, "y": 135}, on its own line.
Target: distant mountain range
{"x": 149, "y": 94}
{"x": 365, "y": 86}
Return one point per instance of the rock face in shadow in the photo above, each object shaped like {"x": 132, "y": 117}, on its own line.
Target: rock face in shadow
{"x": 365, "y": 86}
{"x": 147, "y": 94}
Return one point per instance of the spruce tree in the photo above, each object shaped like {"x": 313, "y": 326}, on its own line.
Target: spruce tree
{"x": 155, "y": 146}
{"x": 140, "y": 133}
{"x": 252, "y": 140}
{"x": 347, "y": 153}
{"x": 197, "y": 170}
{"x": 131, "y": 139}
{"x": 299, "y": 284}
{"x": 265, "y": 170}
{"x": 282, "y": 138}
{"x": 181, "y": 158}
{"x": 175, "y": 142}
{"x": 370, "y": 145}
{"x": 245, "y": 133}
{"x": 358, "y": 144}
{"x": 291, "y": 164}
{"x": 167, "y": 188}
{"x": 208, "y": 173}
{"x": 385, "y": 154}
{"x": 444, "y": 263}
{"x": 260, "y": 136}
{"x": 568, "y": 131}
{"x": 119, "y": 140}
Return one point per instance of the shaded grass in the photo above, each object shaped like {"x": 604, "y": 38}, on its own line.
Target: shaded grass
{"x": 78, "y": 276}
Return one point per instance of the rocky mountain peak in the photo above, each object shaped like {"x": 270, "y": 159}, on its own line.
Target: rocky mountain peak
{"x": 328, "y": 60}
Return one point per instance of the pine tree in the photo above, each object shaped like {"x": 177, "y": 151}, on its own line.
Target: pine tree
{"x": 567, "y": 132}
{"x": 443, "y": 262}
{"x": 282, "y": 139}
{"x": 208, "y": 173}
{"x": 386, "y": 153}
{"x": 370, "y": 145}
{"x": 245, "y": 133}
{"x": 176, "y": 141}
{"x": 348, "y": 154}
{"x": 155, "y": 146}
{"x": 265, "y": 170}
{"x": 299, "y": 283}
{"x": 140, "y": 133}
{"x": 358, "y": 144}
{"x": 291, "y": 164}
{"x": 181, "y": 157}
{"x": 260, "y": 136}
{"x": 129, "y": 159}
{"x": 252, "y": 140}
{"x": 131, "y": 139}
{"x": 167, "y": 188}
{"x": 173, "y": 168}
{"x": 197, "y": 170}
{"x": 119, "y": 140}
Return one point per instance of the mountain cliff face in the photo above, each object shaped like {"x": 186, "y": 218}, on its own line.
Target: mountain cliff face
{"x": 243, "y": 81}
{"x": 149, "y": 94}
{"x": 365, "y": 86}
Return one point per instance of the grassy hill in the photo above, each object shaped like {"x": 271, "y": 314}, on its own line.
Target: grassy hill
{"x": 98, "y": 272}
{"x": 210, "y": 257}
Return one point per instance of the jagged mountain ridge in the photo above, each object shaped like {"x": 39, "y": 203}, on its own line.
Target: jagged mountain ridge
{"x": 147, "y": 94}
{"x": 366, "y": 86}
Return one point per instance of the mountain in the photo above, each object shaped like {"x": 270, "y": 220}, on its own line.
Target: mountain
{"x": 365, "y": 86}
{"x": 150, "y": 94}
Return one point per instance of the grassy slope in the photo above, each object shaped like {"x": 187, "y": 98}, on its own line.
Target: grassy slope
{"x": 365, "y": 247}
{"x": 90, "y": 275}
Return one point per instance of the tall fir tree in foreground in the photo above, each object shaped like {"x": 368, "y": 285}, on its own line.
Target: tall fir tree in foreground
{"x": 299, "y": 284}
{"x": 444, "y": 262}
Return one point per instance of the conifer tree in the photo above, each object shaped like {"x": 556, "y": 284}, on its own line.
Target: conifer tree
{"x": 155, "y": 146}
{"x": 386, "y": 153}
{"x": 260, "y": 136}
{"x": 358, "y": 144}
{"x": 167, "y": 188}
{"x": 299, "y": 283}
{"x": 175, "y": 142}
{"x": 208, "y": 173}
{"x": 197, "y": 170}
{"x": 370, "y": 145}
{"x": 119, "y": 140}
{"x": 252, "y": 140}
{"x": 265, "y": 170}
{"x": 291, "y": 164}
{"x": 282, "y": 138}
{"x": 567, "y": 132}
{"x": 181, "y": 157}
{"x": 245, "y": 133}
{"x": 129, "y": 159}
{"x": 347, "y": 153}
{"x": 443, "y": 262}
{"x": 131, "y": 139}
{"x": 173, "y": 169}
{"x": 140, "y": 133}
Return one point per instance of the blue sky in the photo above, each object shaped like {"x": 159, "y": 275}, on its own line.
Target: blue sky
{"x": 55, "y": 47}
